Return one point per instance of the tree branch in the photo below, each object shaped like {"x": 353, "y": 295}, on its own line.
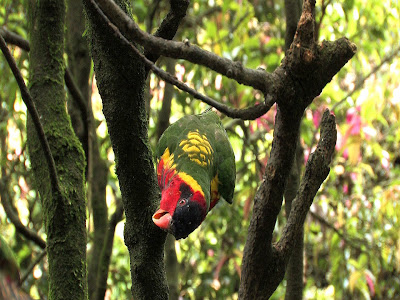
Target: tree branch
{"x": 14, "y": 218}
{"x": 348, "y": 240}
{"x": 120, "y": 75}
{"x": 15, "y": 39}
{"x": 169, "y": 25}
{"x": 105, "y": 258}
{"x": 301, "y": 63}
{"x": 256, "y": 78}
{"x": 295, "y": 268}
{"x": 80, "y": 101}
{"x": 32, "y": 265}
{"x": 360, "y": 83}
{"x": 30, "y": 105}
{"x": 304, "y": 72}
{"x": 250, "y": 113}
{"x": 317, "y": 169}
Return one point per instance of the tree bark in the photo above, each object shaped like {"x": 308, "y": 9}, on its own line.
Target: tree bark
{"x": 294, "y": 272}
{"x": 105, "y": 255}
{"x": 64, "y": 212}
{"x": 79, "y": 64}
{"x": 121, "y": 80}
{"x": 293, "y": 13}
{"x": 310, "y": 67}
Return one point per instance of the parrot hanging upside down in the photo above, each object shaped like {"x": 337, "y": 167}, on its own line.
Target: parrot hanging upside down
{"x": 196, "y": 166}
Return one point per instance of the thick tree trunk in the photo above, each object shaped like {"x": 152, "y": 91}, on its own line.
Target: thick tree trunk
{"x": 64, "y": 213}
{"x": 121, "y": 80}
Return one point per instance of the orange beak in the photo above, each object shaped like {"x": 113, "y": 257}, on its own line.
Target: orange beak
{"x": 162, "y": 219}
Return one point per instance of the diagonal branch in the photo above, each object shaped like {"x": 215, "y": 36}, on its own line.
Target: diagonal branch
{"x": 317, "y": 169}
{"x": 246, "y": 114}
{"x": 348, "y": 239}
{"x": 360, "y": 82}
{"x": 30, "y": 105}
{"x": 25, "y": 276}
{"x": 235, "y": 70}
{"x": 105, "y": 257}
{"x": 14, "y": 218}
{"x": 15, "y": 39}
{"x": 169, "y": 25}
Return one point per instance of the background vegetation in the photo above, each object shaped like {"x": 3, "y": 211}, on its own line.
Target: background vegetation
{"x": 351, "y": 240}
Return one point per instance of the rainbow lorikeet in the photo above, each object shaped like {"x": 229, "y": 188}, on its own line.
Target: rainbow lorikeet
{"x": 196, "y": 167}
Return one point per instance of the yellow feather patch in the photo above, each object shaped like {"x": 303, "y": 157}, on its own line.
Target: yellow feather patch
{"x": 192, "y": 182}
{"x": 205, "y": 150}
{"x": 168, "y": 159}
{"x": 193, "y": 149}
{"x": 214, "y": 191}
{"x": 197, "y": 148}
{"x": 214, "y": 184}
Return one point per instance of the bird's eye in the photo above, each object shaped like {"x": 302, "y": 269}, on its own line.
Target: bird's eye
{"x": 182, "y": 202}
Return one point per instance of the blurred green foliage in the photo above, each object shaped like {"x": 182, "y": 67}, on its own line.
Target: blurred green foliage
{"x": 352, "y": 243}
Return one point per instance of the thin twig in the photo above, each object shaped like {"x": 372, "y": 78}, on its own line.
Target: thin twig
{"x": 361, "y": 82}
{"x": 149, "y": 21}
{"x": 319, "y": 23}
{"x": 14, "y": 218}
{"x": 322, "y": 220}
{"x": 357, "y": 86}
{"x": 231, "y": 31}
{"x": 15, "y": 39}
{"x": 76, "y": 95}
{"x": 246, "y": 114}
{"x": 32, "y": 265}
{"x": 106, "y": 253}
{"x": 30, "y": 105}
{"x": 169, "y": 25}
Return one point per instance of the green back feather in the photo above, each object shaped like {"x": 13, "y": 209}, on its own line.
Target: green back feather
{"x": 221, "y": 160}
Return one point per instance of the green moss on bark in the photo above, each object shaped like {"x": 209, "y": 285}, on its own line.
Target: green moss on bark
{"x": 121, "y": 79}
{"x": 65, "y": 214}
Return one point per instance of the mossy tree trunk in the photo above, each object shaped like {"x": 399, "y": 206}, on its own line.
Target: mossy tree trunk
{"x": 121, "y": 78}
{"x": 64, "y": 213}
{"x": 79, "y": 64}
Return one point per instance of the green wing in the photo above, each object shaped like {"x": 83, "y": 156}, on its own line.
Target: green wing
{"x": 225, "y": 162}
